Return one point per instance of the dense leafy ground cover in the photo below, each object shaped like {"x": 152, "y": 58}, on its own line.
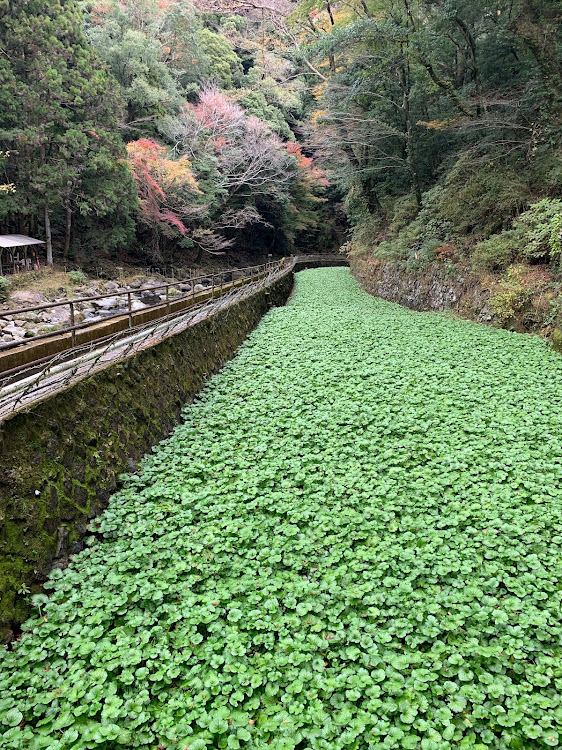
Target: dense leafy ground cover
{"x": 353, "y": 541}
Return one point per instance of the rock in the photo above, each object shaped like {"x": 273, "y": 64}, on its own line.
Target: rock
{"x": 6, "y": 635}
{"x": 57, "y": 315}
{"x": 27, "y": 299}
{"x": 111, "y": 286}
{"x": 150, "y": 299}
{"x": 200, "y": 288}
{"x": 112, "y": 312}
{"x": 185, "y": 287}
{"x": 136, "y": 304}
{"x": 151, "y": 282}
{"x": 15, "y": 331}
{"x": 20, "y": 322}
{"x": 6, "y": 339}
{"x": 109, "y": 303}
{"x": 92, "y": 318}
{"x": 136, "y": 284}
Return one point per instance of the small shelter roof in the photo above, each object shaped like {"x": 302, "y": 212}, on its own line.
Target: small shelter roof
{"x": 17, "y": 240}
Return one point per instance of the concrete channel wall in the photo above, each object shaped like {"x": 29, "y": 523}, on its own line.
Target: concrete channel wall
{"x": 60, "y": 461}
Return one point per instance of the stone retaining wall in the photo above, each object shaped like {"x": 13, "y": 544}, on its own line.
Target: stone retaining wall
{"x": 59, "y": 463}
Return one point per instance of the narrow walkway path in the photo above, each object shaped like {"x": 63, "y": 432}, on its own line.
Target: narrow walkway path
{"x": 353, "y": 541}
{"x": 61, "y": 372}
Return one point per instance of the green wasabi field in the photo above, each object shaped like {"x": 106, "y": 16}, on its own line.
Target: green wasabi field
{"x": 353, "y": 541}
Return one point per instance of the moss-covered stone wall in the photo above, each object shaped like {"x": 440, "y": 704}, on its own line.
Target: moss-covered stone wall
{"x": 60, "y": 461}
{"x": 522, "y": 299}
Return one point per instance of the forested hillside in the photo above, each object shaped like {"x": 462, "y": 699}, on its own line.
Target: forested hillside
{"x": 154, "y": 130}
{"x": 176, "y": 129}
{"x": 441, "y": 122}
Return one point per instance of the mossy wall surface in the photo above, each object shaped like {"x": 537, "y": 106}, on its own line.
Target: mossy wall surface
{"x": 523, "y": 299}
{"x": 59, "y": 462}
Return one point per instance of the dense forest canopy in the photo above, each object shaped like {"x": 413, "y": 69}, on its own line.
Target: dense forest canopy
{"x": 147, "y": 129}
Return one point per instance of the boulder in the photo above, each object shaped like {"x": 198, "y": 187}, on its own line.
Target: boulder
{"x": 151, "y": 282}
{"x": 109, "y": 303}
{"x": 27, "y": 299}
{"x": 57, "y": 315}
{"x": 14, "y": 331}
{"x": 111, "y": 286}
{"x": 150, "y": 299}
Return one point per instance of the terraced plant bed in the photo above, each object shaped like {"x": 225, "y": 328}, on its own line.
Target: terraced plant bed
{"x": 354, "y": 540}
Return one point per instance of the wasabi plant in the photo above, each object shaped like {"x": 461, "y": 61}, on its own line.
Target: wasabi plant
{"x": 353, "y": 541}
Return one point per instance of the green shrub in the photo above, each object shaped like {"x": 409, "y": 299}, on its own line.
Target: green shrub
{"x": 4, "y": 288}
{"x": 77, "y": 277}
{"x": 541, "y": 230}
{"x": 536, "y": 235}
{"x": 417, "y": 241}
{"x": 498, "y": 251}
{"x": 405, "y": 211}
{"x": 511, "y": 297}
{"x": 485, "y": 198}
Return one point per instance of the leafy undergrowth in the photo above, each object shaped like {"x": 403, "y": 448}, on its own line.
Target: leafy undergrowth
{"x": 353, "y": 541}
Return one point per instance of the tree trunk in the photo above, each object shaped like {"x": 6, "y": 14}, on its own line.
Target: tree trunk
{"x": 331, "y": 58}
{"x": 444, "y": 85}
{"x": 536, "y": 26}
{"x": 368, "y": 186}
{"x": 68, "y": 229}
{"x": 372, "y": 198}
{"x": 49, "y": 243}
{"x": 156, "y": 245}
{"x": 460, "y": 66}
{"x": 410, "y": 144}
{"x": 471, "y": 43}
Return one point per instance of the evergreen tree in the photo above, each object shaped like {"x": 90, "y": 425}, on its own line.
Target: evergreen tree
{"x": 59, "y": 117}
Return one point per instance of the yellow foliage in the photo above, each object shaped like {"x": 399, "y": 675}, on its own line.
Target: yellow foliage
{"x": 318, "y": 114}
{"x": 437, "y": 124}
{"x": 319, "y": 90}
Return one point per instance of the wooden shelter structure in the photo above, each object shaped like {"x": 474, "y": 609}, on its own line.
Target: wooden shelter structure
{"x": 14, "y": 256}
